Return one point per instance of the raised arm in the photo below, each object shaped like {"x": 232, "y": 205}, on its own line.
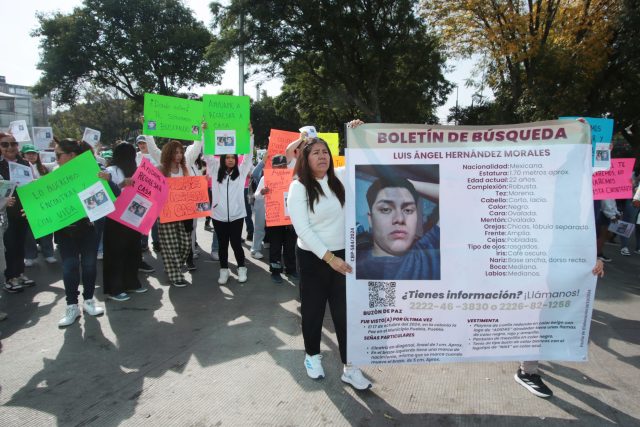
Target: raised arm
{"x": 193, "y": 151}
{"x": 154, "y": 151}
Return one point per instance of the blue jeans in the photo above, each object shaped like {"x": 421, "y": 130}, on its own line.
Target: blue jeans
{"x": 78, "y": 250}
{"x": 214, "y": 242}
{"x": 247, "y": 219}
{"x": 31, "y": 248}
{"x": 99, "y": 224}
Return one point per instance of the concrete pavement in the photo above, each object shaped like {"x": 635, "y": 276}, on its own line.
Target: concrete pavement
{"x": 211, "y": 355}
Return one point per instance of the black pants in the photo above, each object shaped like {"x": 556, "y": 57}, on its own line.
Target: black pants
{"x": 14, "y": 238}
{"x": 122, "y": 255}
{"x": 320, "y": 284}
{"x": 282, "y": 242}
{"x": 229, "y": 232}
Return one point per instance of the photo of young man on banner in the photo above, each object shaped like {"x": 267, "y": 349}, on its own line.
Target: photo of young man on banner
{"x": 397, "y": 207}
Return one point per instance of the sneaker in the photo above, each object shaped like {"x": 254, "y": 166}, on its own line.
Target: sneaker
{"x": 637, "y": 251}
{"x": 314, "y": 366}
{"x": 3, "y": 315}
{"x": 533, "y": 383}
{"x": 625, "y": 251}
{"x": 242, "y": 274}
{"x": 120, "y": 297}
{"x": 293, "y": 275}
{"x": 249, "y": 237}
{"x": 257, "y": 255}
{"x": 604, "y": 258}
{"x": 140, "y": 290}
{"x": 29, "y": 262}
{"x": 13, "y": 286}
{"x": 179, "y": 284}
{"x": 89, "y": 306}
{"x": 25, "y": 281}
{"x": 191, "y": 266}
{"x": 276, "y": 278}
{"x": 224, "y": 276}
{"x": 51, "y": 259}
{"x": 352, "y": 375}
{"x": 146, "y": 268}
{"x": 100, "y": 255}
{"x": 214, "y": 256}
{"x": 70, "y": 316}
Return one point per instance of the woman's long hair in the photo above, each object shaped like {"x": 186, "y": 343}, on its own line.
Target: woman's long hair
{"x": 70, "y": 145}
{"x": 306, "y": 178}
{"x": 124, "y": 157}
{"x": 222, "y": 170}
{"x": 166, "y": 159}
{"x": 39, "y": 166}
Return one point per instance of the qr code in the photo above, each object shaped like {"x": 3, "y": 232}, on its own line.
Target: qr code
{"x": 382, "y": 294}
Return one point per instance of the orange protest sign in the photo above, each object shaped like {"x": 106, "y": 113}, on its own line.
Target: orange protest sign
{"x": 188, "y": 199}
{"x": 275, "y": 201}
{"x": 278, "y": 141}
{"x": 338, "y": 161}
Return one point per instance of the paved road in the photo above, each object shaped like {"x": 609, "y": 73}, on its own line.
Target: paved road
{"x": 210, "y": 355}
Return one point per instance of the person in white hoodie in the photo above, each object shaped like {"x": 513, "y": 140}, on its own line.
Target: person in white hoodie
{"x": 228, "y": 211}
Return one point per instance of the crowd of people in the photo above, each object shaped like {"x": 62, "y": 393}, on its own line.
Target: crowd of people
{"x": 311, "y": 249}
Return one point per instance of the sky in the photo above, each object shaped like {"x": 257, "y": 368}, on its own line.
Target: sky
{"x": 20, "y": 53}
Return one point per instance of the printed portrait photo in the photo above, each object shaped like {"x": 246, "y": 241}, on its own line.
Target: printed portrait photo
{"x": 90, "y": 203}
{"x": 151, "y": 125}
{"x": 195, "y": 130}
{"x": 397, "y": 222}
{"x": 100, "y": 197}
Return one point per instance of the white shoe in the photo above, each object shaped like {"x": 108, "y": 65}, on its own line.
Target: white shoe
{"x": 314, "y": 366}
{"x": 352, "y": 375}
{"x": 100, "y": 255}
{"x": 29, "y": 262}
{"x": 89, "y": 306}
{"x": 214, "y": 256}
{"x": 224, "y": 276}
{"x": 73, "y": 312}
{"x": 257, "y": 255}
{"x": 51, "y": 259}
{"x": 242, "y": 274}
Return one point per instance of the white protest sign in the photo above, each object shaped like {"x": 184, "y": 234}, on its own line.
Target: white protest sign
{"x": 96, "y": 202}
{"x": 6, "y": 190}
{"x": 622, "y": 228}
{"x": 91, "y": 136}
{"x": 42, "y": 137}
{"x": 47, "y": 156}
{"x": 478, "y": 244}
{"x": 136, "y": 211}
{"x": 20, "y": 174}
{"x": 19, "y": 131}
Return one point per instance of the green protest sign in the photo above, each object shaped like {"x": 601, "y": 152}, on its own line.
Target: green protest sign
{"x": 227, "y": 120}
{"x": 172, "y": 117}
{"x": 51, "y": 202}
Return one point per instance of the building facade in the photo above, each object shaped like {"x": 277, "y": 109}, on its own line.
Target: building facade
{"x": 17, "y": 103}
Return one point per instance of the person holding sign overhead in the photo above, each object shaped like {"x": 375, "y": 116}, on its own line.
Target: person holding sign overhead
{"x": 316, "y": 207}
{"x": 175, "y": 237}
{"x": 229, "y": 207}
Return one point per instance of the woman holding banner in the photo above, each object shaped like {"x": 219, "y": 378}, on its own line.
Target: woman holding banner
{"x": 316, "y": 207}
{"x": 122, "y": 250}
{"x": 175, "y": 237}
{"x": 229, "y": 209}
{"x": 78, "y": 244}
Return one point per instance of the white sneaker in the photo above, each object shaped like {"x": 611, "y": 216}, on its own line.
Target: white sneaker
{"x": 214, "y": 256}
{"x": 224, "y": 276}
{"x": 100, "y": 255}
{"x": 89, "y": 306}
{"x": 242, "y": 274}
{"x": 352, "y": 375}
{"x": 29, "y": 262}
{"x": 314, "y": 366}
{"x": 257, "y": 255}
{"x": 51, "y": 259}
{"x": 73, "y": 312}
{"x": 623, "y": 251}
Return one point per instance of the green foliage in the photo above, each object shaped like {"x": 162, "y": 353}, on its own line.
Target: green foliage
{"x": 132, "y": 46}
{"x": 265, "y": 116}
{"x": 115, "y": 117}
{"x": 340, "y": 59}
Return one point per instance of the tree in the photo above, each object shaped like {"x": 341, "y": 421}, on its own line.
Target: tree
{"x": 337, "y": 57}
{"x": 110, "y": 113}
{"x": 543, "y": 58}
{"x": 132, "y": 46}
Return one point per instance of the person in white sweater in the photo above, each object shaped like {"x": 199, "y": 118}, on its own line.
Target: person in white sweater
{"x": 316, "y": 207}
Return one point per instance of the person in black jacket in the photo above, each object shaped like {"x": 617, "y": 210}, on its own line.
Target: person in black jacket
{"x": 16, "y": 233}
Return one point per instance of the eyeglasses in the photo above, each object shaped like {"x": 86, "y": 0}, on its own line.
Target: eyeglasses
{"x": 5, "y": 144}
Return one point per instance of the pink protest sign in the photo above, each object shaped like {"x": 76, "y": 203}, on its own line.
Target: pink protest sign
{"x": 614, "y": 183}
{"x": 139, "y": 205}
